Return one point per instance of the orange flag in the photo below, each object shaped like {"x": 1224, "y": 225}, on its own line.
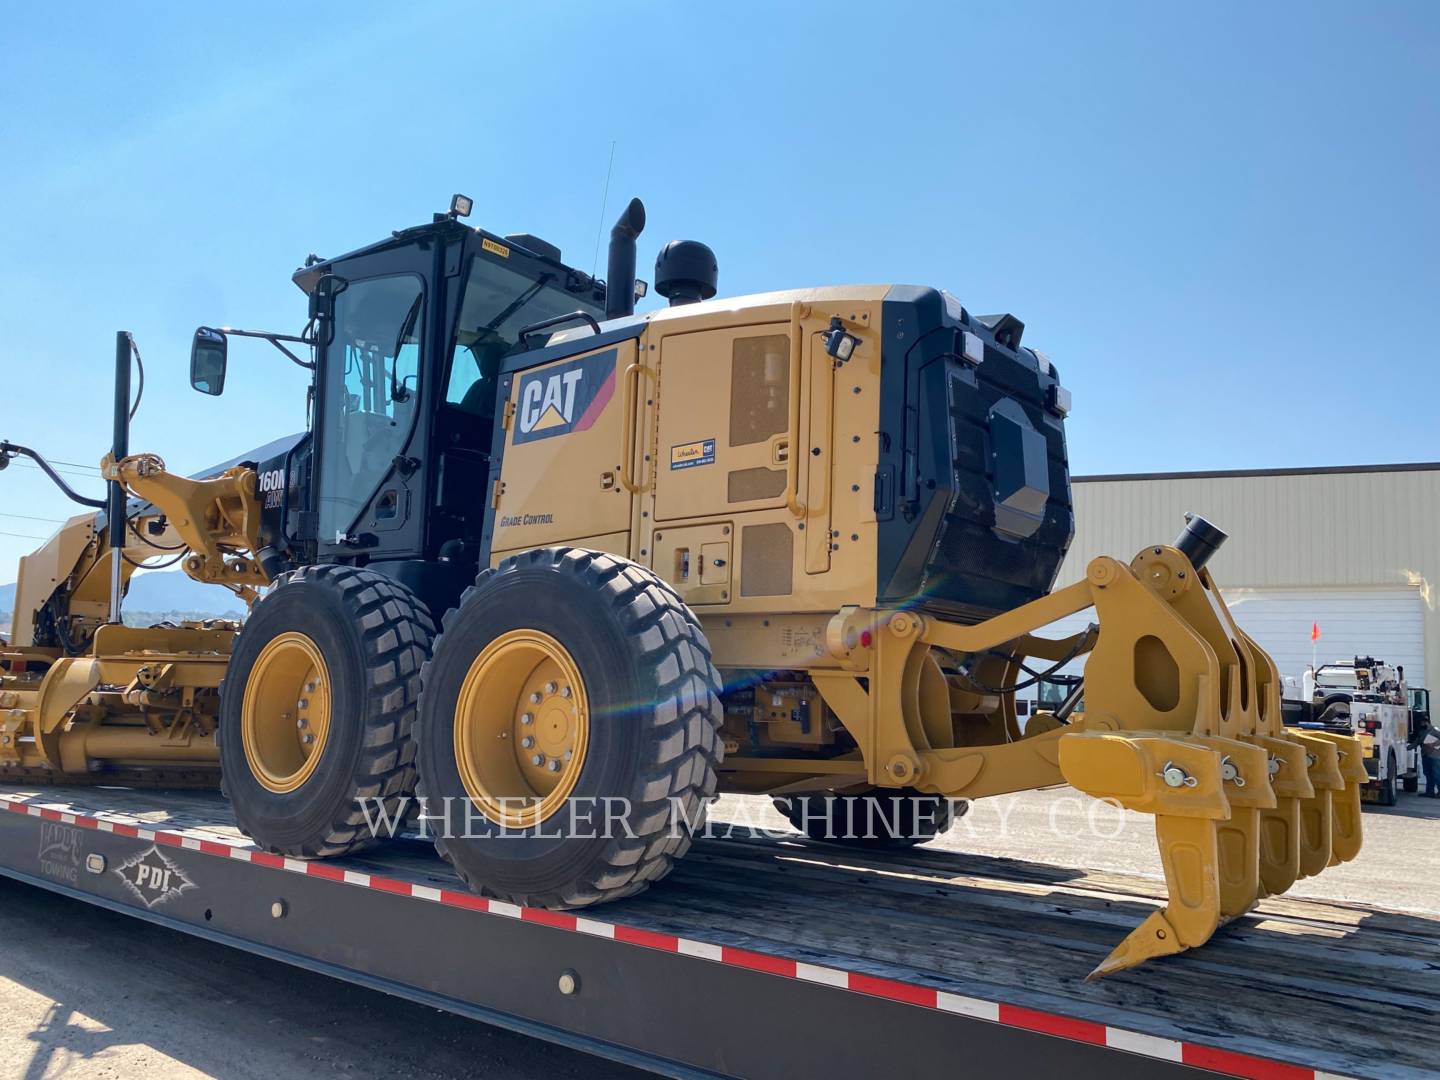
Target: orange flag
{"x": 1315, "y": 631}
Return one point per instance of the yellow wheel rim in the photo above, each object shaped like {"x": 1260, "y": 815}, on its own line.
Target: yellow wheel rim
{"x": 285, "y": 714}
{"x": 522, "y": 726}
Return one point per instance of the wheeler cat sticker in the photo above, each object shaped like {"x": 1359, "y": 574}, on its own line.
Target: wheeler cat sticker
{"x": 152, "y": 877}
{"x": 689, "y": 455}
{"x": 566, "y": 397}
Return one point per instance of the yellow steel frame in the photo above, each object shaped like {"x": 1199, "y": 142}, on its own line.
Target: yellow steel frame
{"x": 217, "y": 518}
{"x": 1182, "y": 720}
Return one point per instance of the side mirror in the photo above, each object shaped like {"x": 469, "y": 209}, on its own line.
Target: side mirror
{"x": 207, "y": 361}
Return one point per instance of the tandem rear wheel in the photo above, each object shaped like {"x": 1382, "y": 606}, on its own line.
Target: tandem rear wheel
{"x": 569, "y": 729}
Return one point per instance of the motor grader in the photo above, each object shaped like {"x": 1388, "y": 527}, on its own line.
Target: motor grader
{"x": 537, "y": 554}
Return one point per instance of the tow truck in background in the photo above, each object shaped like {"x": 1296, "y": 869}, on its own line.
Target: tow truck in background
{"x": 1368, "y": 697}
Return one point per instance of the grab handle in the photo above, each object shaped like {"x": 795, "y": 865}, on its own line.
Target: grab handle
{"x": 628, "y": 427}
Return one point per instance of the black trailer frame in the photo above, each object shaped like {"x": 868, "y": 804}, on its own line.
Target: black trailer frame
{"x": 627, "y": 981}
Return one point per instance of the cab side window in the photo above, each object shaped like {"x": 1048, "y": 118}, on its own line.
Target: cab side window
{"x": 371, "y": 393}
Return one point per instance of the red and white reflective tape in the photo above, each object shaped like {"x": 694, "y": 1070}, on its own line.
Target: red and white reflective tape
{"x": 1086, "y": 1031}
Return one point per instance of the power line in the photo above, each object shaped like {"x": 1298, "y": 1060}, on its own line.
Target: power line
{"x": 74, "y": 465}
{"x": 61, "y": 471}
{"x": 24, "y": 536}
{"x": 29, "y": 517}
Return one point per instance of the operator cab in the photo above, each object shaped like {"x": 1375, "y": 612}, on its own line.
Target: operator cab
{"x": 408, "y": 337}
{"x": 406, "y": 399}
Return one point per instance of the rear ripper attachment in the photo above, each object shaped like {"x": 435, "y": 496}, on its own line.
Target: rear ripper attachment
{"x": 1181, "y": 720}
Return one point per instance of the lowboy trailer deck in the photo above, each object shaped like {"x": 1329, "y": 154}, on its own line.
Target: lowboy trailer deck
{"x": 828, "y": 962}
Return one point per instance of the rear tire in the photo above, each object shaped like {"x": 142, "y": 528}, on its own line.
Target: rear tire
{"x": 349, "y": 643}
{"x": 1388, "y": 796}
{"x": 640, "y": 724}
{"x": 883, "y": 820}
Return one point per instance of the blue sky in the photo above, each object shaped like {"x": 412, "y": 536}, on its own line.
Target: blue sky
{"x": 1219, "y": 220}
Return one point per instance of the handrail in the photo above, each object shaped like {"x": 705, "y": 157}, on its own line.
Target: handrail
{"x": 557, "y": 320}
{"x": 9, "y": 450}
{"x": 797, "y": 356}
{"x": 628, "y": 427}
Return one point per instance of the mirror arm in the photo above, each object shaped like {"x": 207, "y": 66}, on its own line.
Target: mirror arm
{"x": 276, "y": 340}
{"x": 307, "y": 364}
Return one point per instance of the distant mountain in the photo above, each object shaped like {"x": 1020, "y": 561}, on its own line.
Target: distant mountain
{"x": 172, "y": 590}
{"x": 161, "y": 591}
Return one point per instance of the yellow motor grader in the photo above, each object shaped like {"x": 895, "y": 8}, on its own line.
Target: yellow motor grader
{"x": 799, "y": 543}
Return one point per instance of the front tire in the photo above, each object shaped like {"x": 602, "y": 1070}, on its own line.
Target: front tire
{"x": 1388, "y": 796}
{"x": 318, "y": 709}
{"x": 570, "y": 720}
{"x": 1410, "y": 784}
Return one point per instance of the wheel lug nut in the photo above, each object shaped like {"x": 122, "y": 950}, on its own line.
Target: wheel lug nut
{"x": 565, "y": 692}
{"x": 300, "y": 723}
{"x": 311, "y": 687}
{"x": 535, "y": 698}
{"x": 551, "y": 687}
{"x": 554, "y": 765}
{"x": 569, "y": 754}
{"x": 307, "y": 738}
{"x": 528, "y": 718}
{"x": 528, "y": 741}
{"x": 302, "y": 704}
{"x": 537, "y": 759}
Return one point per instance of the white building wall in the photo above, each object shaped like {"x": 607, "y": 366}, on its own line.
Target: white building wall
{"x": 1337, "y": 529}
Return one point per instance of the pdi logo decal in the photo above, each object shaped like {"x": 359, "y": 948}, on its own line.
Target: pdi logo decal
{"x": 565, "y": 397}
{"x": 152, "y": 877}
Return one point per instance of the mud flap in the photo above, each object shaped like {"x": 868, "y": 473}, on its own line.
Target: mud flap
{"x": 1180, "y": 782}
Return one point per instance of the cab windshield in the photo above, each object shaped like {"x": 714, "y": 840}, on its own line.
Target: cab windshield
{"x": 498, "y": 303}
{"x": 1337, "y": 676}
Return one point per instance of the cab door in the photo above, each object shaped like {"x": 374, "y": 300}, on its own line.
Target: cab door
{"x": 371, "y": 400}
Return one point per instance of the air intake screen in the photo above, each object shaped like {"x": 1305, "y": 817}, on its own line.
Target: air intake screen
{"x": 767, "y": 559}
{"x": 759, "y": 388}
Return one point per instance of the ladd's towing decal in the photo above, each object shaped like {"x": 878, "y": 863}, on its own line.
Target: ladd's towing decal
{"x": 565, "y": 397}
{"x": 689, "y": 455}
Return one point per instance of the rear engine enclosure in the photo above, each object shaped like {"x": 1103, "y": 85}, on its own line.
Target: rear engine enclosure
{"x": 972, "y": 486}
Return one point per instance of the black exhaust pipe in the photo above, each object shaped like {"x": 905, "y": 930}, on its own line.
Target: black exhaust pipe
{"x": 1199, "y": 540}
{"x": 620, "y": 273}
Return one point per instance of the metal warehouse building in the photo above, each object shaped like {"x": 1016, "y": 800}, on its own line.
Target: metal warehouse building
{"x": 1355, "y": 549}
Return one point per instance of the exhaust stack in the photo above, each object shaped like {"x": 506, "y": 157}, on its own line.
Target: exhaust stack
{"x": 620, "y": 271}
{"x": 1199, "y": 540}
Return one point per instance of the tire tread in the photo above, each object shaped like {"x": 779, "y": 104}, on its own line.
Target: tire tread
{"x": 684, "y": 742}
